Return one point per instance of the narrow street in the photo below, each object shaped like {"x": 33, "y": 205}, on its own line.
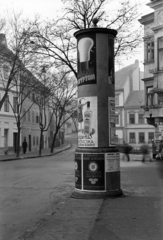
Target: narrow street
{"x": 31, "y": 190}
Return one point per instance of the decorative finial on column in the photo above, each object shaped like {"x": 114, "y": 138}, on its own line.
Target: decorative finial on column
{"x": 95, "y": 21}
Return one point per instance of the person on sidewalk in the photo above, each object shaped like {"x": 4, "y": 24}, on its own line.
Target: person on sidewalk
{"x": 154, "y": 152}
{"x": 145, "y": 152}
{"x": 24, "y": 145}
{"x": 127, "y": 150}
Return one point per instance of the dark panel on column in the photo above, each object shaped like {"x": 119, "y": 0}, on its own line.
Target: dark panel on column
{"x": 102, "y": 76}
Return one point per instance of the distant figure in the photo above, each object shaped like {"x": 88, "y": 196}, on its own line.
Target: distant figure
{"x": 24, "y": 145}
{"x": 145, "y": 151}
{"x": 161, "y": 149}
{"x": 127, "y": 150}
{"x": 154, "y": 149}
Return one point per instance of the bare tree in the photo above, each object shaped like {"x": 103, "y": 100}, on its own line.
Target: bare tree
{"x": 45, "y": 91}
{"x": 15, "y": 53}
{"x": 54, "y": 39}
{"x": 63, "y": 104}
{"x": 20, "y": 65}
{"x": 24, "y": 85}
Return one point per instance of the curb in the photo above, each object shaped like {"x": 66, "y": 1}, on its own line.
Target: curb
{"x": 68, "y": 146}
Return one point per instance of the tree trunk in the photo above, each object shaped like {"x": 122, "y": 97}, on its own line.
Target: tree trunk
{"x": 18, "y": 141}
{"x": 40, "y": 146}
{"x": 53, "y": 142}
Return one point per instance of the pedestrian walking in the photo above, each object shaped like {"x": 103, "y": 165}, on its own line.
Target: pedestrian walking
{"x": 127, "y": 150}
{"x": 24, "y": 145}
{"x": 154, "y": 152}
{"x": 145, "y": 151}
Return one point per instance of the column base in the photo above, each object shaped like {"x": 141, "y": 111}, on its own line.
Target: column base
{"x": 96, "y": 195}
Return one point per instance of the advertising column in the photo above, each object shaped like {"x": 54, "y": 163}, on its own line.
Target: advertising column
{"x": 97, "y": 171}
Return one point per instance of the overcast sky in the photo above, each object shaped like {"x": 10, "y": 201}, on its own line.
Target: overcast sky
{"x": 45, "y": 8}
{"x": 51, "y": 8}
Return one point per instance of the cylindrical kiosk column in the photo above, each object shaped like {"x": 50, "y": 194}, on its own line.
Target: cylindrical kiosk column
{"x": 97, "y": 162}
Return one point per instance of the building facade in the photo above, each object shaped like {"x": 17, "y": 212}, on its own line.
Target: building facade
{"x": 30, "y": 122}
{"x": 131, "y": 127}
{"x": 153, "y": 66}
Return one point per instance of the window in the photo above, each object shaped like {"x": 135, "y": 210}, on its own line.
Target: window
{"x": 160, "y": 53}
{"x": 15, "y": 104}
{"x": 37, "y": 118}
{"x": 6, "y": 104}
{"x": 141, "y": 119}
{"x": 149, "y": 51}
{"x": 148, "y": 96}
{"x": 37, "y": 141}
{"x": 150, "y": 136}
{"x": 132, "y": 137}
{"x": 141, "y": 137}
{"x": 29, "y": 116}
{"x": 116, "y": 100}
{"x": 116, "y": 118}
{"x": 131, "y": 118}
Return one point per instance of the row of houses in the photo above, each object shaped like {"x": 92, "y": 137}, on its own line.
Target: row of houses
{"x": 30, "y": 129}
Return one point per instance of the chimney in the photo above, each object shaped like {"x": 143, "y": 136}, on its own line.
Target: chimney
{"x": 3, "y": 39}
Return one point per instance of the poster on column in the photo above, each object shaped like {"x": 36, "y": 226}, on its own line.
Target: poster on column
{"x": 86, "y": 47}
{"x": 87, "y": 122}
{"x": 93, "y": 172}
{"x": 111, "y": 117}
{"x": 112, "y": 162}
{"x": 78, "y": 171}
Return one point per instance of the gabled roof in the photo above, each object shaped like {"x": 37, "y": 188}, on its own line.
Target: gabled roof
{"x": 135, "y": 98}
{"x": 121, "y": 75}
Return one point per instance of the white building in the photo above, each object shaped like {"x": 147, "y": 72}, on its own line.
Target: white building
{"x": 153, "y": 66}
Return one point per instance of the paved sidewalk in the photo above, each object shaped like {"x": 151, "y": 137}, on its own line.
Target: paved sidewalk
{"x": 137, "y": 215}
{"x": 35, "y": 154}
